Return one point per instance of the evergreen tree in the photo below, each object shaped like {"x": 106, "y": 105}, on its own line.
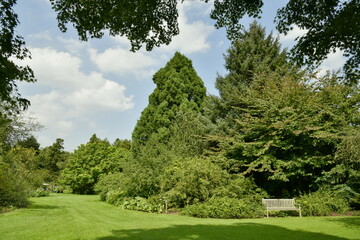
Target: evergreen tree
{"x": 177, "y": 83}
{"x": 253, "y": 53}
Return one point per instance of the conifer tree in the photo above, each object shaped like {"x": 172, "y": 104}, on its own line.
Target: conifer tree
{"x": 252, "y": 53}
{"x": 176, "y": 84}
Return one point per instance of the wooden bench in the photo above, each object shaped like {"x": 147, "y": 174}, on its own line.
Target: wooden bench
{"x": 281, "y": 205}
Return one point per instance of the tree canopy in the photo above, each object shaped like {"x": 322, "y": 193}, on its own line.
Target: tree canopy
{"x": 330, "y": 24}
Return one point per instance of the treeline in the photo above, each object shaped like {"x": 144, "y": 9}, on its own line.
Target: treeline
{"x": 274, "y": 130}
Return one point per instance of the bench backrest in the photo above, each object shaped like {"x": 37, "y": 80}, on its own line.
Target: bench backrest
{"x": 279, "y": 203}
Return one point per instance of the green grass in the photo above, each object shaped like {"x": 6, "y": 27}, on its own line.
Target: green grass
{"x": 85, "y": 217}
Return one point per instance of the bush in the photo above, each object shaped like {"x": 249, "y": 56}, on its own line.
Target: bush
{"x": 115, "y": 197}
{"x": 40, "y": 192}
{"x": 108, "y": 183}
{"x": 240, "y": 187}
{"x": 143, "y": 204}
{"x": 323, "y": 203}
{"x": 189, "y": 181}
{"x": 225, "y": 207}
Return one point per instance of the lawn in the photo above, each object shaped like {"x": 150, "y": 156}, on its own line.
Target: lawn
{"x": 63, "y": 216}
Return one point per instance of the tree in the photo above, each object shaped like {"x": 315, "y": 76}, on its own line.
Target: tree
{"x": 251, "y": 53}
{"x": 288, "y": 131}
{"x": 176, "y": 84}
{"x": 30, "y": 142}
{"x": 53, "y": 158}
{"x": 330, "y": 24}
{"x": 12, "y": 47}
{"x": 88, "y": 162}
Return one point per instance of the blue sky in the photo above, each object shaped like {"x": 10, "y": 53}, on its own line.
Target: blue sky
{"x": 100, "y": 86}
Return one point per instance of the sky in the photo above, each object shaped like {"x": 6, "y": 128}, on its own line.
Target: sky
{"x": 101, "y": 87}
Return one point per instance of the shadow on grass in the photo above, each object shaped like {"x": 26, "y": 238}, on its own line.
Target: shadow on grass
{"x": 243, "y": 231}
{"x": 34, "y": 206}
{"x": 350, "y": 222}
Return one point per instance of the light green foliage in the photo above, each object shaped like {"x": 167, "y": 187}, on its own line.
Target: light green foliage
{"x": 110, "y": 183}
{"x": 63, "y": 217}
{"x": 142, "y": 204}
{"x": 177, "y": 83}
{"x": 89, "y": 162}
{"x": 226, "y": 207}
{"x": 18, "y": 176}
{"x": 188, "y": 181}
{"x": 323, "y": 203}
{"x": 40, "y": 192}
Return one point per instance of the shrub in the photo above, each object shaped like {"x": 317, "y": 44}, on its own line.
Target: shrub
{"x": 143, "y": 204}
{"x": 240, "y": 187}
{"x": 40, "y": 192}
{"x": 115, "y": 197}
{"x": 108, "y": 183}
{"x": 323, "y": 203}
{"x": 189, "y": 181}
{"x": 225, "y": 207}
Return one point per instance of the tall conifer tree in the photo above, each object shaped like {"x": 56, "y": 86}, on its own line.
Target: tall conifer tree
{"x": 176, "y": 84}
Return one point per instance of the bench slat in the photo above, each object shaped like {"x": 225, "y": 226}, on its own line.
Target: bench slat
{"x": 281, "y": 205}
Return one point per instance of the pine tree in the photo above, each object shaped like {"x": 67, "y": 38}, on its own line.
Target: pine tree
{"x": 176, "y": 84}
{"x": 252, "y": 53}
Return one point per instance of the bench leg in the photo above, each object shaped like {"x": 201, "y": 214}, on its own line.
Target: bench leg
{"x": 300, "y": 211}
{"x": 267, "y": 212}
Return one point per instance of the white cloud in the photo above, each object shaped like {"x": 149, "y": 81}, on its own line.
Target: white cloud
{"x": 74, "y": 46}
{"x": 74, "y": 96}
{"x": 333, "y": 62}
{"x": 122, "y": 61}
{"x": 41, "y": 36}
{"x": 292, "y": 35}
{"x": 193, "y": 36}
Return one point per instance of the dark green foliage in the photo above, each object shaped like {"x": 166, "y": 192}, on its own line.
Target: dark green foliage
{"x": 331, "y": 25}
{"x": 289, "y": 132}
{"x": 12, "y": 47}
{"x": 89, "y": 162}
{"x": 226, "y": 207}
{"x": 240, "y": 187}
{"x": 150, "y": 22}
{"x": 176, "y": 84}
{"x": 323, "y": 203}
{"x": 30, "y": 142}
{"x": 347, "y": 164}
{"x": 251, "y": 53}
{"x": 53, "y": 159}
